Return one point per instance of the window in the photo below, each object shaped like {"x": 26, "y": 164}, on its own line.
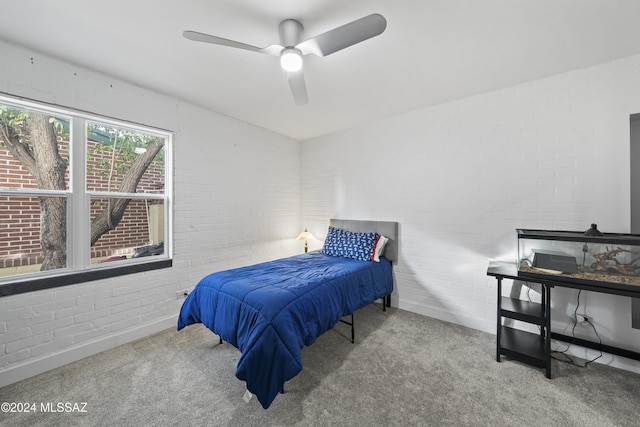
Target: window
{"x": 81, "y": 197}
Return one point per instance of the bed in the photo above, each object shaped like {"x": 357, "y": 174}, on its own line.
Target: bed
{"x": 269, "y": 311}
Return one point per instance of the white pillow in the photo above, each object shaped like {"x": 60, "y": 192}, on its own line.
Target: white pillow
{"x": 379, "y": 248}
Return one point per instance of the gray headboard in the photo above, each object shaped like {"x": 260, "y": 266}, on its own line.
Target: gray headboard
{"x": 386, "y": 228}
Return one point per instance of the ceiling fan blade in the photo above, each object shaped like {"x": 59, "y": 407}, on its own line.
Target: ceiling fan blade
{"x": 342, "y": 37}
{"x": 207, "y": 38}
{"x": 298, "y": 87}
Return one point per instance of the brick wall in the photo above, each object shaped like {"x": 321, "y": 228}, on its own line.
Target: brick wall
{"x": 20, "y": 219}
{"x": 19, "y": 232}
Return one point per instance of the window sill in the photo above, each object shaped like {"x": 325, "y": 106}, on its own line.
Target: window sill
{"x": 80, "y": 277}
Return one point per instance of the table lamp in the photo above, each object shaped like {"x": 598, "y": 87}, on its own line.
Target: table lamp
{"x": 306, "y": 236}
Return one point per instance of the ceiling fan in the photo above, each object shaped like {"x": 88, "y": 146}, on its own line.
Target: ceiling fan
{"x": 292, "y": 47}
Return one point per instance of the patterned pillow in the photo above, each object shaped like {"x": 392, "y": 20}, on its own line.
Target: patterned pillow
{"x": 349, "y": 244}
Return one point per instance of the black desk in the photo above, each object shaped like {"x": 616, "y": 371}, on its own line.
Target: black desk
{"x": 535, "y": 349}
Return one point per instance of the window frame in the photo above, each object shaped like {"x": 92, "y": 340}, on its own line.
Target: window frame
{"x": 79, "y": 268}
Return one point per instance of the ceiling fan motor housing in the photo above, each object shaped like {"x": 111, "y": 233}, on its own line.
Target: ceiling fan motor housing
{"x": 290, "y": 32}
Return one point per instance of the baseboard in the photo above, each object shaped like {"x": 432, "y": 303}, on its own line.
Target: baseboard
{"x": 484, "y": 326}
{"x": 587, "y": 350}
{"x": 612, "y": 360}
{"x": 34, "y": 367}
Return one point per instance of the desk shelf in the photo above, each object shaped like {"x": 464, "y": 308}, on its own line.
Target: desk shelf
{"x": 523, "y": 346}
{"x": 530, "y": 348}
{"x": 525, "y": 311}
{"x": 540, "y": 314}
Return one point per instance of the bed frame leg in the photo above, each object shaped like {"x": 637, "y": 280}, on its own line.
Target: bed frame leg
{"x": 353, "y": 334}
{"x": 386, "y": 302}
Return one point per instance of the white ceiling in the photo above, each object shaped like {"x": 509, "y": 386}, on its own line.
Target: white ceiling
{"x": 432, "y": 51}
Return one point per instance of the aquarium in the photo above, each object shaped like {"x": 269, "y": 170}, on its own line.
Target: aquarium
{"x": 580, "y": 256}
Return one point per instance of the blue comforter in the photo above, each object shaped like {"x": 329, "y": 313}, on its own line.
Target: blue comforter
{"x": 270, "y": 310}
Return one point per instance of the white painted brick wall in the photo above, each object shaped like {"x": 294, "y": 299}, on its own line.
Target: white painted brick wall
{"x": 462, "y": 176}
{"x": 236, "y": 201}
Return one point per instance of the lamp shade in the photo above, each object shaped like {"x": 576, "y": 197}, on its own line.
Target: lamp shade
{"x": 305, "y": 235}
{"x": 593, "y": 231}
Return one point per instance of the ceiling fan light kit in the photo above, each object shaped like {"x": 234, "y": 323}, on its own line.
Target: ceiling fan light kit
{"x": 291, "y": 59}
{"x": 291, "y": 48}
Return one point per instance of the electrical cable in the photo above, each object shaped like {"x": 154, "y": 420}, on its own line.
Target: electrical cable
{"x": 599, "y": 343}
{"x": 573, "y": 334}
{"x": 529, "y": 297}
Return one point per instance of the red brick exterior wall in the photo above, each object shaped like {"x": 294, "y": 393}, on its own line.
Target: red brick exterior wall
{"x": 20, "y": 216}
{"x": 19, "y": 232}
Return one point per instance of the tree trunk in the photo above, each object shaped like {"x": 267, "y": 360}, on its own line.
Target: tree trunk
{"x": 53, "y": 232}
{"x": 49, "y": 174}
{"x": 115, "y": 211}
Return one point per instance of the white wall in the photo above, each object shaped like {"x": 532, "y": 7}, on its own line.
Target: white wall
{"x": 461, "y": 177}
{"x": 236, "y": 202}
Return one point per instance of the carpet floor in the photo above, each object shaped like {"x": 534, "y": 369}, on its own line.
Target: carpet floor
{"x": 404, "y": 369}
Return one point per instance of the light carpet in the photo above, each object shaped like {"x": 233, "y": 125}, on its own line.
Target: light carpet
{"x": 404, "y": 369}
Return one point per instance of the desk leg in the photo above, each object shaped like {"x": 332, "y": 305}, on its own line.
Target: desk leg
{"x": 543, "y": 300}
{"x": 499, "y": 317}
{"x": 547, "y": 316}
